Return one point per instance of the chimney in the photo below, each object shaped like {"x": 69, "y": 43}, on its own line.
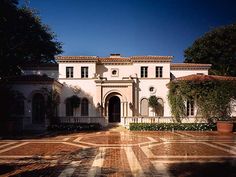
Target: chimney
{"x": 115, "y": 55}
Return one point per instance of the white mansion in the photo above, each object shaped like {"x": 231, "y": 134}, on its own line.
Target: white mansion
{"x": 111, "y": 89}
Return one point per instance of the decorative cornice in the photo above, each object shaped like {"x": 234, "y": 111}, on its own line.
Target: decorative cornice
{"x": 115, "y": 86}
{"x": 114, "y": 81}
{"x": 151, "y": 58}
{"x": 75, "y": 59}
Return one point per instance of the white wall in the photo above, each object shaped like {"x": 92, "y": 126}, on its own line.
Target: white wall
{"x": 161, "y": 91}
{"x": 180, "y": 73}
{"x": 152, "y": 69}
{"x": 77, "y": 69}
{"x": 87, "y": 89}
{"x": 123, "y": 71}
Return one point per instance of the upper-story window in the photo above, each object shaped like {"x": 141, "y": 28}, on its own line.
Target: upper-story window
{"x": 144, "y": 71}
{"x": 84, "y": 72}
{"x": 159, "y": 70}
{"x": 114, "y": 72}
{"x": 190, "y": 108}
{"x": 69, "y": 72}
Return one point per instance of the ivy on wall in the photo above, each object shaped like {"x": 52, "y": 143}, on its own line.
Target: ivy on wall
{"x": 212, "y": 98}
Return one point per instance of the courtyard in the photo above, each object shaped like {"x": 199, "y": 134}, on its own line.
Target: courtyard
{"x": 119, "y": 152}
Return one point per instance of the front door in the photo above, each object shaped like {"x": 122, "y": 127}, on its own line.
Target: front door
{"x": 114, "y": 109}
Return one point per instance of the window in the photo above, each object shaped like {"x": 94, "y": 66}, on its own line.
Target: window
{"x": 84, "y": 72}
{"x": 160, "y": 108}
{"x": 159, "y": 70}
{"x": 69, "y": 107}
{"x": 144, "y": 71}
{"x": 144, "y": 107}
{"x": 84, "y": 107}
{"x": 69, "y": 72}
{"x": 190, "y": 108}
{"x": 114, "y": 72}
{"x": 151, "y": 89}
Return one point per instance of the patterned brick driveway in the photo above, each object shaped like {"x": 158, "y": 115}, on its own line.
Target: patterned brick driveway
{"x": 121, "y": 153}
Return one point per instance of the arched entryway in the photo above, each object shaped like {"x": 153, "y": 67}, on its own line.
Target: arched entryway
{"x": 114, "y": 109}
{"x": 38, "y": 109}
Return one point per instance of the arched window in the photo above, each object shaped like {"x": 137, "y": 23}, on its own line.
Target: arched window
{"x": 69, "y": 107}
{"x": 144, "y": 107}
{"x": 160, "y": 108}
{"x": 84, "y": 107}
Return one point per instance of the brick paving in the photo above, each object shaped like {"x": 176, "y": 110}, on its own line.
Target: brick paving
{"x": 115, "y": 163}
{"x": 117, "y": 153}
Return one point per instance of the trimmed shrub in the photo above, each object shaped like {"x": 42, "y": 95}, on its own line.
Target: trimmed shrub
{"x": 172, "y": 126}
{"x": 74, "y": 127}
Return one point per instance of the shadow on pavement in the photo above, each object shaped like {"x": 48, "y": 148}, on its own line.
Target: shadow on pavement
{"x": 204, "y": 169}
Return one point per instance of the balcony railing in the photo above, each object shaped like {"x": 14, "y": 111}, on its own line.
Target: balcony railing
{"x": 88, "y": 120}
{"x": 127, "y": 120}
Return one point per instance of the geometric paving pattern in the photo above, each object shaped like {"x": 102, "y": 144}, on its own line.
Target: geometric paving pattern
{"x": 121, "y": 153}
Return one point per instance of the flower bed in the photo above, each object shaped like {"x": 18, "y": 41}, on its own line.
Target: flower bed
{"x": 172, "y": 126}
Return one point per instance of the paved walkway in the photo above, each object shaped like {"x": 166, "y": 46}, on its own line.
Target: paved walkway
{"x": 118, "y": 152}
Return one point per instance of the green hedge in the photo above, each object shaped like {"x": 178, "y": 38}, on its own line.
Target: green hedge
{"x": 75, "y": 126}
{"x": 172, "y": 126}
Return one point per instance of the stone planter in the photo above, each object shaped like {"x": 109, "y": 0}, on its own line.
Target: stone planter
{"x": 224, "y": 126}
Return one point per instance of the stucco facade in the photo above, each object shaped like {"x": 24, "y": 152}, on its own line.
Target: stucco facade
{"x": 126, "y": 83}
{"x": 111, "y": 89}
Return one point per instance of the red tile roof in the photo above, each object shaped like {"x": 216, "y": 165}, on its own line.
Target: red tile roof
{"x": 199, "y": 77}
{"x": 151, "y": 57}
{"x": 76, "y": 57}
{"x": 114, "y": 59}
{"x": 189, "y": 65}
{"x": 119, "y": 59}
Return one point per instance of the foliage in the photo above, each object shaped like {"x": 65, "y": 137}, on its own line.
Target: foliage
{"x": 212, "y": 98}
{"x": 74, "y": 126}
{"x": 8, "y": 99}
{"x": 24, "y": 39}
{"x": 172, "y": 126}
{"x": 8, "y": 102}
{"x": 216, "y": 47}
{"x": 153, "y": 103}
{"x": 53, "y": 100}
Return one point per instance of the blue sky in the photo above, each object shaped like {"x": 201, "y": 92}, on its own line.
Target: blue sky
{"x": 132, "y": 27}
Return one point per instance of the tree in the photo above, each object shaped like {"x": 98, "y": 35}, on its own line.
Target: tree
{"x": 52, "y": 103}
{"x": 217, "y": 47}
{"x": 9, "y": 98}
{"x": 153, "y": 103}
{"x": 24, "y": 39}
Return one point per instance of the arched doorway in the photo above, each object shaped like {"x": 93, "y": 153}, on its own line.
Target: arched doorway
{"x": 38, "y": 109}
{"x": 114, "y": 109}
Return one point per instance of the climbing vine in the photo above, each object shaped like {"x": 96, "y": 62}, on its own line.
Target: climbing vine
{"x": 213, "y": 98}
